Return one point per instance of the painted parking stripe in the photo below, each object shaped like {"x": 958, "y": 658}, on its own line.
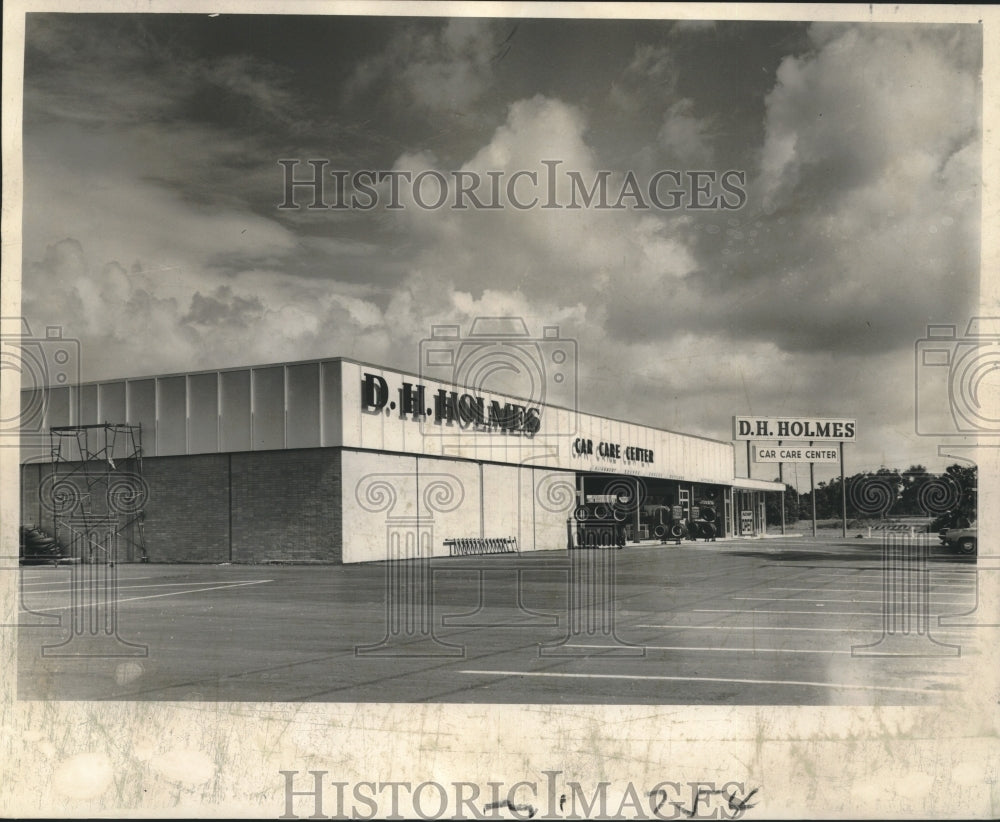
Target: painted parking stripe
{"x": 68, "y": 582}
{"x": 170, "y": 594}
{"x": 836, "y": 686}
{"x": 786, "y": 628}
{"x": 823, "y": 613}
{"x": 154, "y": 585}
{"x": 775, "y": 611}
{"x": 877, "y": 569}
{"x": 729, "y": 650}
{"x": 873, "y": 586}
{"x": 756, "y": 611}
{"x": 817, "y": 599}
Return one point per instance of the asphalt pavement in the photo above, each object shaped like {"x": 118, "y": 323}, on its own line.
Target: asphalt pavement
{"x": 791, "y": 620}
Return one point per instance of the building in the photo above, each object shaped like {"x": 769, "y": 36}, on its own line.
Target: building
{"x": 325, "y": 460}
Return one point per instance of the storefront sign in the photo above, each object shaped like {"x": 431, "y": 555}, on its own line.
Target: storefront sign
{"x": 793, "y": 428}
{"x": 746, "y": 523}
{"x": 467, "y": 411}
{"x": 794, "y": 453}
{"x": 611, "y": 451}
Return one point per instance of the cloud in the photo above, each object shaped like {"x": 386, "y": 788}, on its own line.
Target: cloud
{"x": 685, "y": 140}
{"x": 650, "y": 76}
{"x": 434, "y": 68}
{"x": 861, "y": 223}
{"x": 862, "y": 220}
{"x": 557, "y": 256}
{"x": 131, "y": 324}
{"x": 867, "y": 100}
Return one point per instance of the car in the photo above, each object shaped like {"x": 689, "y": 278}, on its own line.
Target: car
{"x": 962, "y": 540}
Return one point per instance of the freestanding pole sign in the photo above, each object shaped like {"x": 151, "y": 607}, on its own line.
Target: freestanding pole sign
{"x": 813, "y": 429}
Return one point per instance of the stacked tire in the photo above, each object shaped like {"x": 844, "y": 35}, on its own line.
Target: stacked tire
{"x": 37, "y": 546}
{"x": 704, "y": 527}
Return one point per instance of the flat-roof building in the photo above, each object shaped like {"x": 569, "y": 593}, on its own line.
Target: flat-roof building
{"x": 319, "y": 461}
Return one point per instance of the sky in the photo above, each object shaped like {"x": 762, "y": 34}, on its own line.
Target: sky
{"x": 152, "y": 230}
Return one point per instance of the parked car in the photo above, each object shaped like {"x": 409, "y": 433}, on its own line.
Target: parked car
{"x": 962, "y": 540}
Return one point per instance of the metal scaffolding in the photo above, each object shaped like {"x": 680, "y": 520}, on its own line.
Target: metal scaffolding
{"x": 96, "y": 491}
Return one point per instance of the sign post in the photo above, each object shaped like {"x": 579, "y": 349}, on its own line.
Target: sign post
{"x": 812, "y": 491}
{"x": 843, "y": 494}
{"x": 781, "y": 479}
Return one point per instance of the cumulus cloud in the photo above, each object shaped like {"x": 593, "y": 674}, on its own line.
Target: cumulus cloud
{"x": 650, "y": 76}
{"x": 685, "y": 140}
{"x": 862, "y": 220}
{"x": 867, "y": 102}
{"x": 131, "y": 324}
{"x": 435, "y": 68}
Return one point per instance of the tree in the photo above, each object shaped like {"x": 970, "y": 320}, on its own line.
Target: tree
{"x": 772, "y": 505}
{"x": 913, "y": 480}
{"x": 966, "y": 478}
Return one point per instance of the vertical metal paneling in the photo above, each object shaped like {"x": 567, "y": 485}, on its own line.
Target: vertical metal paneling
{"x": 268, "y": 386}
{"x": 234, "y": 410}
{"x": 171, "y": 415}
{"x": 141, "y": 410}
{"x": 88, "y": 405}
{"x": 58, "y": 403}
{"x": 111, "y": 399}
{"x": 303, "y": 406}
{"x": 203, "y": 413}
{"x": 333, "y": 426}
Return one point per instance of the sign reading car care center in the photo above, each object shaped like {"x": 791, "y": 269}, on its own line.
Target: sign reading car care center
{"x": 794, "y": 453}
{"x": 794, "y": 428}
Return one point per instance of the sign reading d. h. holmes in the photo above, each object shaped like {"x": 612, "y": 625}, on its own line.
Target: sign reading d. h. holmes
{"x": 450, "y": 407}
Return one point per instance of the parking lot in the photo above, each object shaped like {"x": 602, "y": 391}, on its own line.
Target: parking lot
{"x": 777, "y": 621}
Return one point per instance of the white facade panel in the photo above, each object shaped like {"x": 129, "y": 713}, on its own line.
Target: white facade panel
{"x": 449, "y": 501}
{"x": 525, "y": 508}
{"x": 379, "y": 504}
{"x": 502, "y": 500}
{"x": 554, "y": 502}
{"x": 563, "y": 439}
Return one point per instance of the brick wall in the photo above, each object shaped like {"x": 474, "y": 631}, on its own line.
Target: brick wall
{"x": 286, "y": 506}
{"x": 245, "y": 507}
{"x": 187, "y": 513}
